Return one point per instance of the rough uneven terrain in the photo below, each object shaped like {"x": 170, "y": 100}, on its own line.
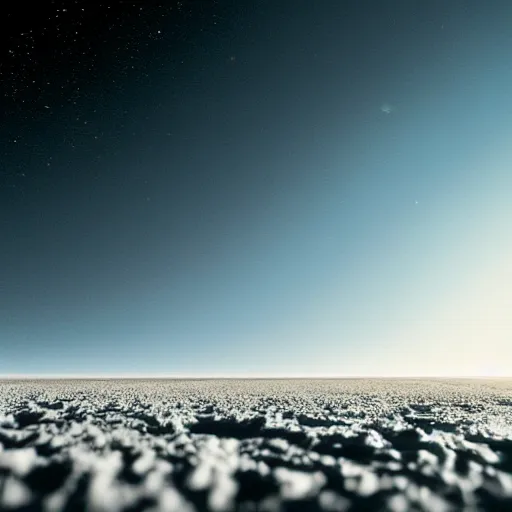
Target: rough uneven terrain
{"x": 256, "y": 445}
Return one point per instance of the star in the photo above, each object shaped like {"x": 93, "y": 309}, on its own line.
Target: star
{"x": 386, "y": 108}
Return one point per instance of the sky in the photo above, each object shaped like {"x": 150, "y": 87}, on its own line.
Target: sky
{"x": 265, "y": 188}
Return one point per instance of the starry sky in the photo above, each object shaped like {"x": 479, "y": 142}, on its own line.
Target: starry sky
{"x": 257, "y": 188}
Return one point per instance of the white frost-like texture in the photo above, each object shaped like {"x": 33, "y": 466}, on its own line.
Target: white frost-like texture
{"x": 255, "y": 445}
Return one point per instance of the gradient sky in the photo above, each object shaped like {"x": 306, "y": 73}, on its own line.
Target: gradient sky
{"x": 264, "y": 188}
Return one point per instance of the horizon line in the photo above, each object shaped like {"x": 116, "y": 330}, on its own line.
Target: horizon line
{"x": 15, "y": 376}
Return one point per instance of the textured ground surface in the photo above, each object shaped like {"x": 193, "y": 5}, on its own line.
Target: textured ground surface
{"x": 256, "y": 445}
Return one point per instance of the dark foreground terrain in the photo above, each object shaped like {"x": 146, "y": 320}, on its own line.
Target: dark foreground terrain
{"x": 260, "y": 445}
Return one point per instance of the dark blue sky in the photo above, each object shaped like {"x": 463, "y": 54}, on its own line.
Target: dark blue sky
{"x": 256, "y": 188}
